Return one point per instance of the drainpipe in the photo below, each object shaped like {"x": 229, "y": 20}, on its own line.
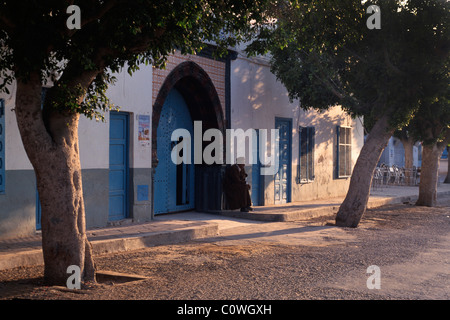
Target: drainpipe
{"x": 232, "y": 55}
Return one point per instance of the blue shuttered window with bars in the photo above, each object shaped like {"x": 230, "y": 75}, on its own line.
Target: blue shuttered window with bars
{"x": 305, "y": 170}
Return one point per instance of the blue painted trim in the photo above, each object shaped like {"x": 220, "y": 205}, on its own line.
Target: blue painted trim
{"x": 2, "y": 147}
{"x": 142, "y": 192}
{"x": 38, "y": 211}
{"x": 306, "y": 153}
{"x": 256, "y": 174}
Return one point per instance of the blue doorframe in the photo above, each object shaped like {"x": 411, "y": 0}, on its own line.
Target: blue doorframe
{"x": 118, "y": 165}
{"x": 38, "y": 211}
{"x": 256, "y": 174}
{"x": 282, "y": 179}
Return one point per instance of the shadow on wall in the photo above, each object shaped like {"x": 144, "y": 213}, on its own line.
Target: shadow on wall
{"x": 266, "y": 98}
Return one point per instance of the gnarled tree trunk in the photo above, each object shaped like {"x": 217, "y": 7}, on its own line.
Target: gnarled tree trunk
{"x": 429, "y": 175}
{"x": 447, "y": 178}
{"x": 408, "y": 146}
{"x": 52, "y": 147}
{"x": 352, "y": 209}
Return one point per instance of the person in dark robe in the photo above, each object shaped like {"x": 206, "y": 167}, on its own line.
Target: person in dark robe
{"x": 236, "y": 188}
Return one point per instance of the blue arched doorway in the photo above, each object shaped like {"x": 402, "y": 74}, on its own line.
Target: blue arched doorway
{"x": 194, "y": 98}
{"x": 174, "y": 183}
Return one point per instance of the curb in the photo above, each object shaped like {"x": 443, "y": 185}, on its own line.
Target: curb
{"x": 105, "y": 245}
{"x": 323, "y": 211}
{"x": 151, "y": 239}
{"x": 34, "y": 257}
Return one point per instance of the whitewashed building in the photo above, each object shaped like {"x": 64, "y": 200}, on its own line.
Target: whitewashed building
{"x": 126, "y": 164}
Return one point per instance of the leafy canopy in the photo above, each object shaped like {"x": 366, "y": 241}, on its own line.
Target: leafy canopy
{"x": 114, "y": 34}
{"x": 325, "y": 55}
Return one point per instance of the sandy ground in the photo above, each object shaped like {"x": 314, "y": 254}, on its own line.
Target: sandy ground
{"x": 277, "y": 261}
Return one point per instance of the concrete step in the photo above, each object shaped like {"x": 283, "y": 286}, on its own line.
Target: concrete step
{"x": 28, "y": 252}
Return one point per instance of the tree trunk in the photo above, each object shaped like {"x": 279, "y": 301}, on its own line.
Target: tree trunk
{"x": 429, "y": 174}
{"x": 447, "y": 178}
{"x": 352, "y": 209}
{"x": 408, "y": 145}
{"x": 52, "y": 147}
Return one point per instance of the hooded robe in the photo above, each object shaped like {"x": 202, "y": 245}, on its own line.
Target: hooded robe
{"x": 235, "y": 188}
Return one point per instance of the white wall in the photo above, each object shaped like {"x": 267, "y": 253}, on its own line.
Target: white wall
{"x": 131, "y": 94}
{"x": 16, "y": 158}
{"x": 257, "y": 98}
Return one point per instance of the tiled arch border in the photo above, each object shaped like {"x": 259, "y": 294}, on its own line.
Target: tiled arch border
{"x": 183, "y": 70}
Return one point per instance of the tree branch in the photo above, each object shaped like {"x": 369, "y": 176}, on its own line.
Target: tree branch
{"x": 139, "y": 46}
{"x": 354, "y": 54}
{"x": 103, "y": 10}
{"x": 326, "y": 81}
{"x": 6, "y": 24}
{"x": 446, "y": 139}
{"x": 390, "y": 65}
{"x": 101, "y": 13}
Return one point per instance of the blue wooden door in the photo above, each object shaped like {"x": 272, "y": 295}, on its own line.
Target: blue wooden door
{"x": 282, "y": 178}
{"x": 256, "y": 173}
{"x": 118, "y": 166}
{"x": 174, "y": 183}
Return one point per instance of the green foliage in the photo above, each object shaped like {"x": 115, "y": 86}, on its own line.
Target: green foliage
{"x": 325, "y": 55}
{"x": 432, "y": 121}
{"x": 114, "y": 34}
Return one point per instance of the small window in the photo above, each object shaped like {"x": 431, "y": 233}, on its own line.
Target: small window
{"x": 344, "y": 152}
{"x": 2, "y": 146}
{"x": 306, "y": 155}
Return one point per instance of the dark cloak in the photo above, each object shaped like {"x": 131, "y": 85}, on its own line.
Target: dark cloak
{"x": 235, "y": 188}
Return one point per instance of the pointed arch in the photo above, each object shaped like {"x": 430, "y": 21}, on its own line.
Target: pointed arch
{"x": 200, "y": 94}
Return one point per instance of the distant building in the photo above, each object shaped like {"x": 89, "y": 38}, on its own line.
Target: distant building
{"x": 394, "y": 154}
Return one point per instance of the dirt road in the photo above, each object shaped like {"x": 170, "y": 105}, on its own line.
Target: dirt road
{"x": 409, "y": 245}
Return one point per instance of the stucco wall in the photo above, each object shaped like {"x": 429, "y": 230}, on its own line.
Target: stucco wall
{"x": 18, "y": 203}
{"x": 257, "y": 98}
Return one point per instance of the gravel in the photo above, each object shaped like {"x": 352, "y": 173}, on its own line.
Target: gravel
{"x": 409, "y": 244}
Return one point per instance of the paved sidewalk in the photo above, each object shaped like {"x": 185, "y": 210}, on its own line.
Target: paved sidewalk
{"x": 182, "y": 227}
{"x": 297, "y": 211}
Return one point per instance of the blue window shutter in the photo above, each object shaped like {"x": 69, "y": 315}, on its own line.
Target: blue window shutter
{"x": 302, "y": 166}
{"x": 2, "y": 146}
{"x": 306, "y": 154}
